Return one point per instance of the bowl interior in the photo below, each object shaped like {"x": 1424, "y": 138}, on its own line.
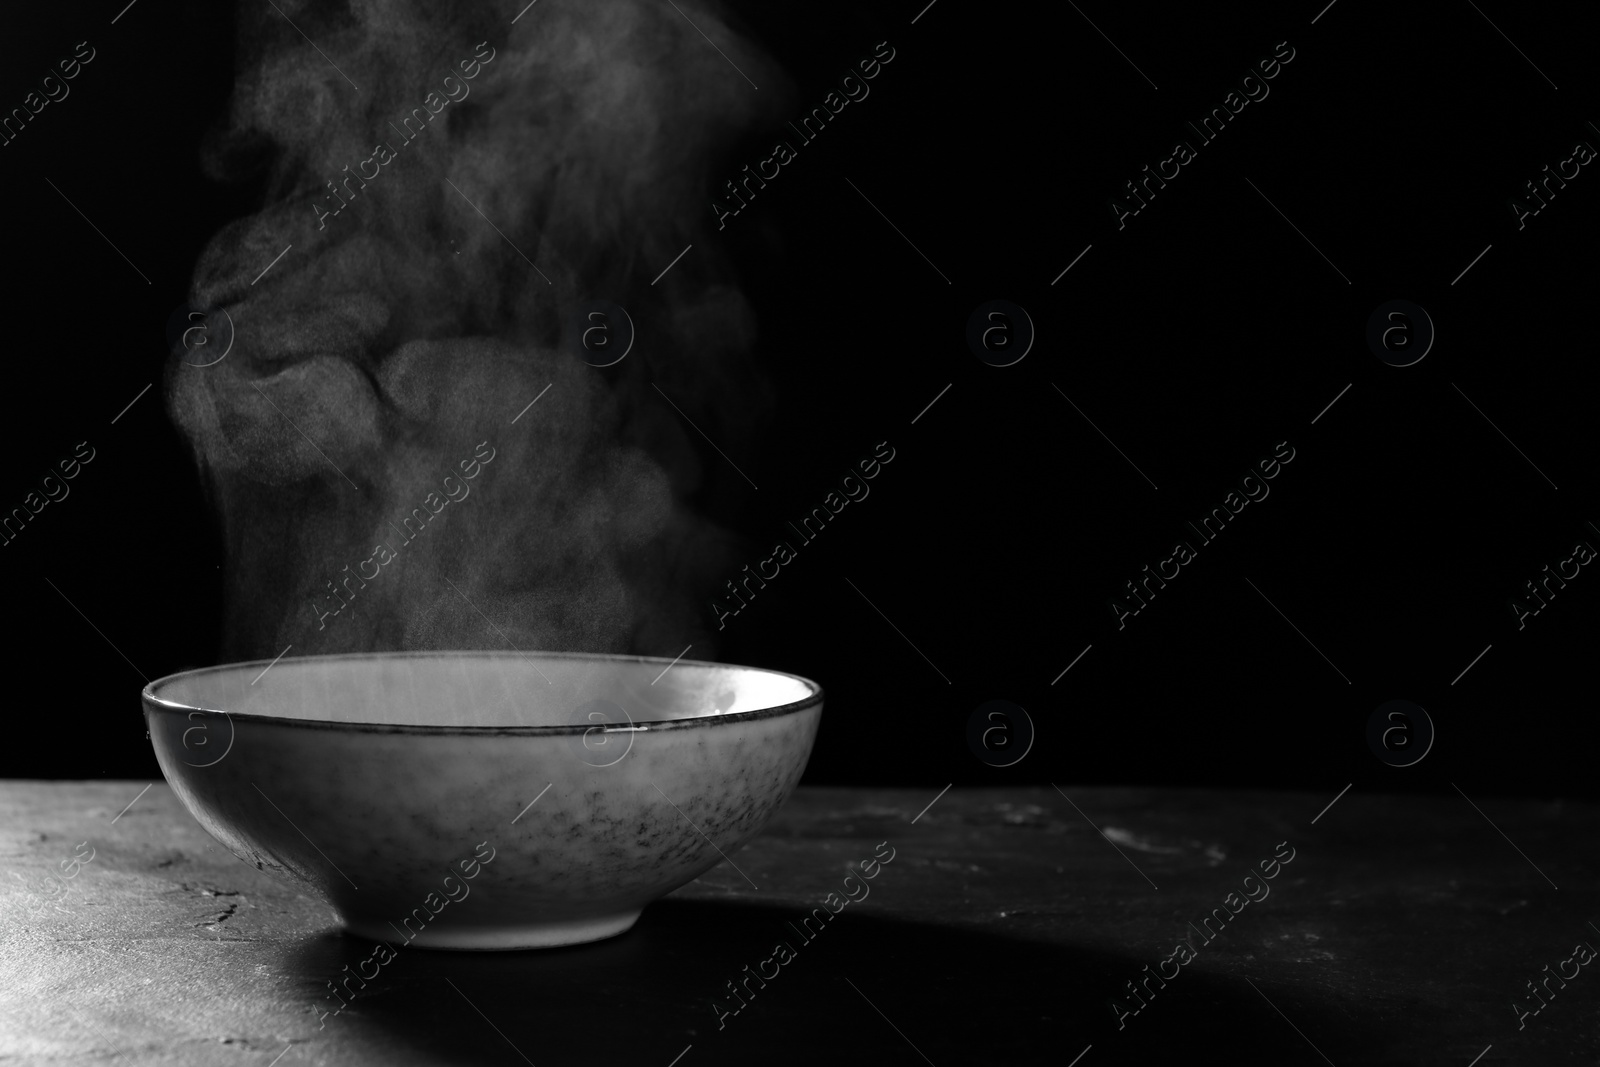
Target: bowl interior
{"x": 481, "y": 689}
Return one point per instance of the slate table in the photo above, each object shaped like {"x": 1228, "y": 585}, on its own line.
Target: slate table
{"x": 1007, "y": 923}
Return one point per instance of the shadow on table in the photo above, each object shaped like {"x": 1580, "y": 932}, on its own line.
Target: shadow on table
{"x": 866, "y": 987}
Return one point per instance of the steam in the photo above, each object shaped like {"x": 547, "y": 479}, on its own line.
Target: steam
{"x": 398, "y": 338}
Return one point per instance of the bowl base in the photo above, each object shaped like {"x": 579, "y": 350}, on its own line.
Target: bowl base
{"x": 507, "y": 938}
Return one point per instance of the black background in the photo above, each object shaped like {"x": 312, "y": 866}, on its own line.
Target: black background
{"x": 1195, "y": 338}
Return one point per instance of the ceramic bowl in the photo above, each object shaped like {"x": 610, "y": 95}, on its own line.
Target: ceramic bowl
{"x": 483, "y": 800}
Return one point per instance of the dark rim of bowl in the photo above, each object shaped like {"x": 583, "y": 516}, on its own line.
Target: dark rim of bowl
{"x": 151, "y": 701}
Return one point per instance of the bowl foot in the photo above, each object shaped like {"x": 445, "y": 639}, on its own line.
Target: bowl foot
{"x": 505, "y": 938}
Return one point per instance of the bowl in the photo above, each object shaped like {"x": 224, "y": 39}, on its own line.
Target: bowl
{"x": 483, "y": 800}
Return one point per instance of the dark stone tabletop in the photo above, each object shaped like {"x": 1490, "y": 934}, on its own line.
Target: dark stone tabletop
{"x": 1402, "y": 931}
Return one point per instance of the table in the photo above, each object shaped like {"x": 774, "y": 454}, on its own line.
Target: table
{"x": 1402, "y": 931}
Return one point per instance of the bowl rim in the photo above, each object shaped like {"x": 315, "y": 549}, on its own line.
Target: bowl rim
{"x": 152, "y": 702}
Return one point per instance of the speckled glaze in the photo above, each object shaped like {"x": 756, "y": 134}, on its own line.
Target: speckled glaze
{"x": 384, "y": 819}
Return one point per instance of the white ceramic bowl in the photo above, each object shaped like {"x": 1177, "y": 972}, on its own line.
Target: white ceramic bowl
{"x": 483, "y": 800}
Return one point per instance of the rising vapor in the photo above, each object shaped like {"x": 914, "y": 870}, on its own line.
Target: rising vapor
{"x": 400, "y": 336}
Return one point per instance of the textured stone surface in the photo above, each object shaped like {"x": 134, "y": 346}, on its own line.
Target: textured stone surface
{"x": 1400, "y": 933}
